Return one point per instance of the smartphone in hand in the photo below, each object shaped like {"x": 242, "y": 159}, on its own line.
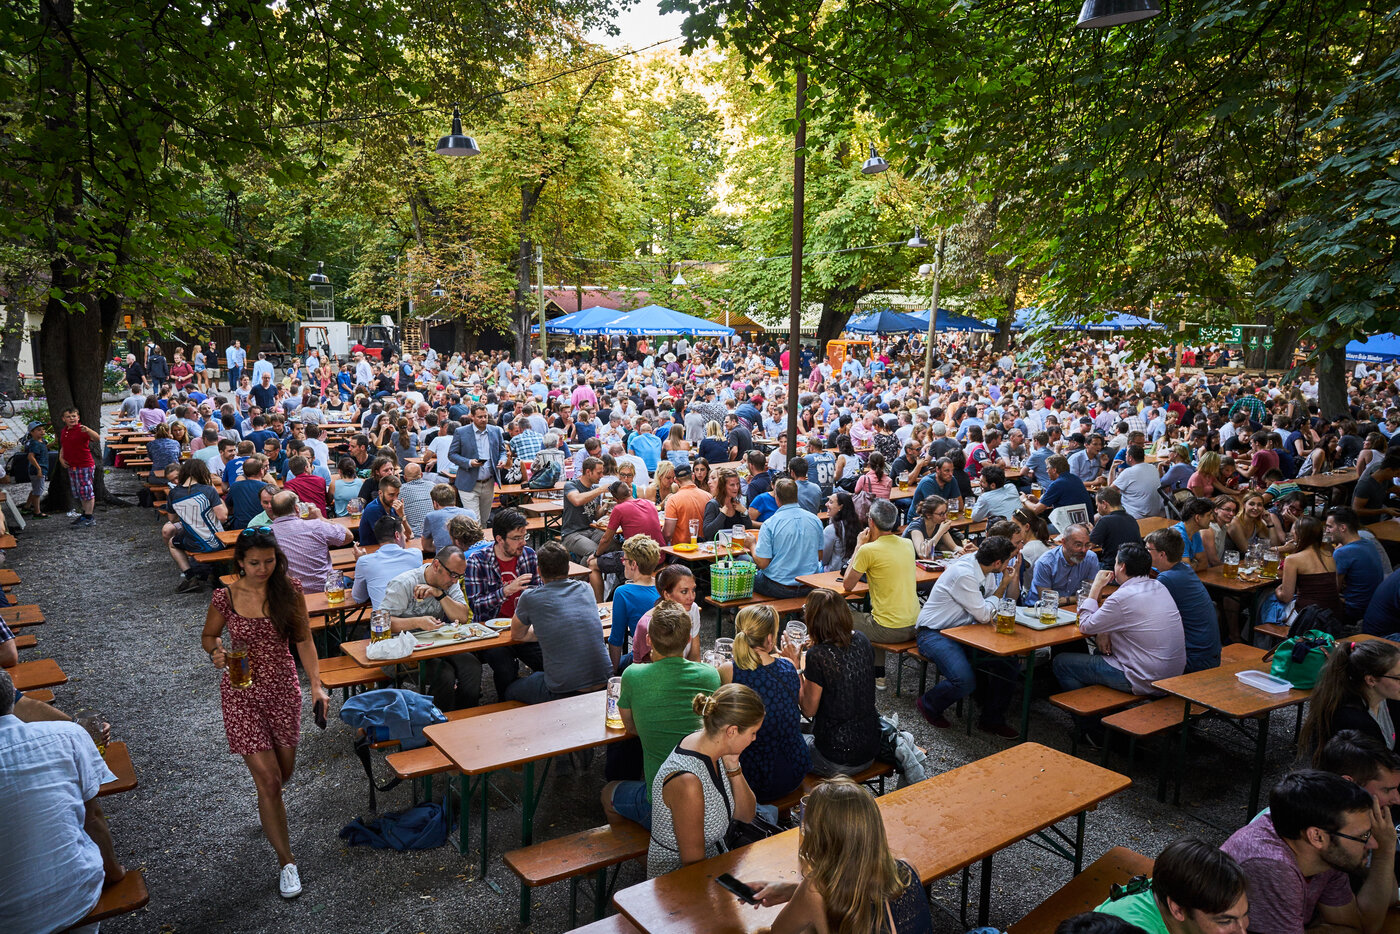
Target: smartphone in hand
{"x": 319, "y": 710}
{"x": 744, "y": 892}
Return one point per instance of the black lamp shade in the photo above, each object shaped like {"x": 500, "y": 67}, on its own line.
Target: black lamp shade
{"x": 1101, "y": 14}
{"x": 454, "y": 143}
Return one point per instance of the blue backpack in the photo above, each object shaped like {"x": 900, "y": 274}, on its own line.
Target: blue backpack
{"x": 421, "y": 827}
{"x": 388, "y": 714}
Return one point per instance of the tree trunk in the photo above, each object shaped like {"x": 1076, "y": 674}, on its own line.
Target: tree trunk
{"x": 74, "y": 351}
{"x": 254, "y": 334}
{"x": 523, "y": 310}
{"x": 1332, "y": 382}
{"x": 11, "y": 343}
{"x": 1002, "y": 341}
{"x": 829, "y": 328}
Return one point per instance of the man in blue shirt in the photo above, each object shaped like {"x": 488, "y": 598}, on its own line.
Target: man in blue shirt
{"x": 1086, "y": 465}
{"x": 1040, "y": 453}
{"x": 1064, "y": 489}
{"x": 1065, "y": 567}
{"x": 260, "y": 433}
{"x": 940, "y": 483}
{"x": 1359, "y": 568}
{"x": 809, "y": 494}
{"x": 387, "y": 503}
{"x": 1383, "y": 615}
{"x": 234, "y": 358}
{"x": 789, "y": 544}
{"x": 760, "y": 477}
{"x": 1192, "y": 600}
{"x": 645, "y": 445}
{"x": 374, "y": 570}
{"x": 244, "y": 493}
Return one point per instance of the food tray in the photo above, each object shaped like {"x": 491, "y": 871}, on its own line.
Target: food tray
{"x": 453, "y": 635}
{"x": 1029, "y": 617}
{"x": 1264, "y": 681}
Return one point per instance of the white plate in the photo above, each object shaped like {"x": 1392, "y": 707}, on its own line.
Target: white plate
{"x": 500, "y": 622}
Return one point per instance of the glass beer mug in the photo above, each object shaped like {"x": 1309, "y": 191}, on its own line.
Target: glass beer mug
{"x": 1231, "y": 567}
{"x": 240, "y": 668}
{"x": 335, "y": 588}
{"x": 1005, "y": 620}
{"x": 1049, "y": 607}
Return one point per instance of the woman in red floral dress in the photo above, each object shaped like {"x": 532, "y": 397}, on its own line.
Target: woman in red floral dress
{"x": 264, "y": 608}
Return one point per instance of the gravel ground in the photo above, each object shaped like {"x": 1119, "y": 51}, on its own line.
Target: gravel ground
{"x": 130, "y": 646}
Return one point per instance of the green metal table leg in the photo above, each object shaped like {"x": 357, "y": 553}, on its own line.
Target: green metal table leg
{"x": 1026, "y": 698}
{"x": 1181, "y": 754}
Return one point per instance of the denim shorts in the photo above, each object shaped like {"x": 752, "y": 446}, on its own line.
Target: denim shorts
{"x": 631, "y": 801}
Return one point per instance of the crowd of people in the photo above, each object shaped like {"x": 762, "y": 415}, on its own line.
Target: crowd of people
{"x": 653, "y": 445}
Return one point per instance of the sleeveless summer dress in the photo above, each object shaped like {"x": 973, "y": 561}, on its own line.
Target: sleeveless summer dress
{"x": 267, "y": 714}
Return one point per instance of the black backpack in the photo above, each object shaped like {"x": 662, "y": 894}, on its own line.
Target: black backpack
{"x": 1315, "y": 617}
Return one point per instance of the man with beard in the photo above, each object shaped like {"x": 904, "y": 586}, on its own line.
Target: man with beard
{"x": 1296, "y": 858}
{"x": 1065, "y": 567}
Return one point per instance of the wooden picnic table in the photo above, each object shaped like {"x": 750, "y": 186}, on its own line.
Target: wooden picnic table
{"x": 520, "y": 489}
{"x": 118, "y": 759}
{"x": 1150, "y": 524}
{"x": 1387, "y": 530}
{"x": 40, "y": 673}
{"x": 522, "y": 737}
{"x": 1328, "y": 481}
{"x": 1219, "y": 690}
{"x": 705, "y": 551}
{"x": 983, "y": 638}
{"x": 230, "y": 536}
{"x": 941, "y": 825}
{"x": 831, "y": 580}
{"x": 1215, "y": 578}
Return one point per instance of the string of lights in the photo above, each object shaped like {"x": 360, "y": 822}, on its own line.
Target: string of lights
{"x": 729, "y": 261}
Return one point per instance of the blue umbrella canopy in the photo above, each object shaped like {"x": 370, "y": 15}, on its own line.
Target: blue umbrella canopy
{"x": 885, "y": 322}
{"x": 1036, "y": 318}
{"x": 658, "y": 319}
{"x": 585, "y": 321}
{"x": 952, "y": 321}
{"x": 1378, "y": 348}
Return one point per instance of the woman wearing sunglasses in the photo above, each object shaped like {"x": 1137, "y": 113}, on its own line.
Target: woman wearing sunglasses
{"x": 263, "y": 608}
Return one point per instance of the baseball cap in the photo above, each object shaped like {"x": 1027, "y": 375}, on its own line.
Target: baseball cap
{"x": 682, "y": 471}
{"x": 35, "y": 424}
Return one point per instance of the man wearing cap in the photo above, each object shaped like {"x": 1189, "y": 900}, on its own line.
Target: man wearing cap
{"x": 685, "y": 506}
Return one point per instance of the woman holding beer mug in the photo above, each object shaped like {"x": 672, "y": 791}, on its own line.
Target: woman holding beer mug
{"x": 262, "y": 609}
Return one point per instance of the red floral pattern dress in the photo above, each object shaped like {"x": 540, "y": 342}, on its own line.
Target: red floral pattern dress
{"x": 267, "y": 714}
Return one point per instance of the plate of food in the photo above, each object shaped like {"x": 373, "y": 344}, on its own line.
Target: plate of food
{"x": 453, "y": 634}
{"x": 687, "y": 546}
{"x": 499, "y": 623}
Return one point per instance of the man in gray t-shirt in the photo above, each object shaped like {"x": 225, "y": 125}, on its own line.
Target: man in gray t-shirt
{"x": 580, "y": 509}
{"x": 562, "y": 617}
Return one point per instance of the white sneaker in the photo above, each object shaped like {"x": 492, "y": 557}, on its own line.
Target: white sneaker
{"x": 880, "y": 684}
{"x": 291, "y": 881}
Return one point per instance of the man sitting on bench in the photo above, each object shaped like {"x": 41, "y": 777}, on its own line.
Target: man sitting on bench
{"x": 58, "y": 851}
{"x": 561, "y": 617}
{"x": 1195, "y": 889}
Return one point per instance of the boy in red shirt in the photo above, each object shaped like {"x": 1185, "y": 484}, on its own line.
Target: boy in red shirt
{"x": 75, "y": 454}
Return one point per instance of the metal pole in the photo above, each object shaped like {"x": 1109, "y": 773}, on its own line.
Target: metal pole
{"x": 539, "y": 284}
{"x": 799, "y": 173}
{"x": 933, "y": 313}
{"x": 1180, "y": 345}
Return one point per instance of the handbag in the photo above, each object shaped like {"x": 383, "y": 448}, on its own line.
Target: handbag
{"x": 731, "y": 579}
{"x": 1299, "y": 660}
{"x": 743, "y": 832}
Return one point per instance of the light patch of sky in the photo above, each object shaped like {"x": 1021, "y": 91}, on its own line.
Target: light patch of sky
{"x": 640, "y": 24}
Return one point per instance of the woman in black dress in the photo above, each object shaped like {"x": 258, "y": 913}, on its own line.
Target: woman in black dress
{"x": 838, "y": 688}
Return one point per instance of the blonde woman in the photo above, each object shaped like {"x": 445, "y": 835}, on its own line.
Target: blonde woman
{"x": 1206, "y": 482}
{"x": 663, "y": 483}
{"x": 675, "y": 448}
{"x": 700, "y": 788}
{"x": 1255, "y": 524}
{"x": 777, "y": 760}
{"x": 851, "y": 882}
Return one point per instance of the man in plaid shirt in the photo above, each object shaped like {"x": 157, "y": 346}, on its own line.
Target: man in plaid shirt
{"x": 493, "y": 580}
{"x": 9, "y": 652}
{"x": 524, "y": 440}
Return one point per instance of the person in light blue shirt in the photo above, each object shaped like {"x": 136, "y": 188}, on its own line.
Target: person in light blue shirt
{"x": 445, "y": 508}
{"x": 809, "y": 494}
{"x": 1085, "y": 464}
{"x": 1065, "y": 567}
{"x": 645, "y": 445}
{"x": 789, "y": 545}
{"x": 1359, "y": 569}
{"x": 1040, "y": 453}
{"x": 373, "y": 571}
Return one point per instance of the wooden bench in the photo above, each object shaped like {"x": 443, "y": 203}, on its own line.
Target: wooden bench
{"x": 877, "y": 771}
{"x": 1161, "y": 717}
{"x": 118, "y": 759}
{"x": 343, "y": 672}
{"x": 588, "y": 852}
{"x": 1084, "y": 892}
{"x": 43, "y": 696}
{"x": 426, "y": 761}
{"x": 729, "y": 609}
{"x": 17, "y": 616}
{"x": 212, "y": 557}
{"x": 1092, "y": 701}
{"x": 612, "y": 924}
{"x": 1274, "y": 630}
{"x": 899, "y": 650}
{"x": 126, "y": 896}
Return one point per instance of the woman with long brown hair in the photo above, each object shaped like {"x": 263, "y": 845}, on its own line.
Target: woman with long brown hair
{"x": 1359, "y": 689}
{"x": 726, "y": 510}
{"x": 1309, "y": 575}
{"x": 851, "y": 882}
{"x": 838, "y": 688}
{"x": 1255, "y": 524}
{"x": 263, "y": 608}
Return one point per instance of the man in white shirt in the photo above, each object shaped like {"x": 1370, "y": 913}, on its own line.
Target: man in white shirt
{"x": 1139, "y": 483}
{"x": 364, "y": 373}
{"x": 967, "y": 593}
{"x": 58, "y": 851}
